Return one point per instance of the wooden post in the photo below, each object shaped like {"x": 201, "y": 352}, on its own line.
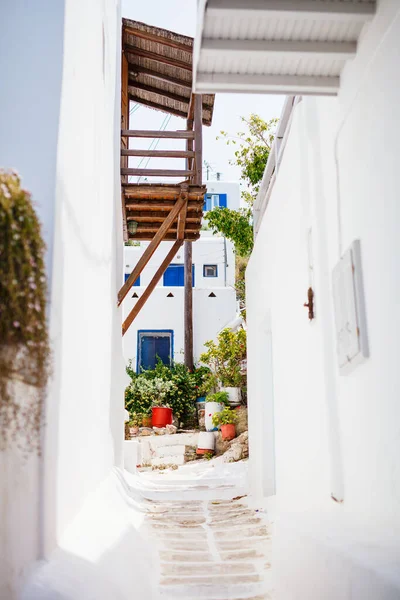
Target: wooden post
{"x": 188, "y": 307}
{"x": 189, "y": 362}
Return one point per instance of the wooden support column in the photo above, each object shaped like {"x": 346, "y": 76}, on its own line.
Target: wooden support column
{"x": 143, "y": 298}
{"x": 189, "y": 361}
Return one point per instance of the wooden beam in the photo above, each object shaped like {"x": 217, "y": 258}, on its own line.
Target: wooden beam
{"x": 294, "y": 9}
{"x": 167, "y": 109}
{"x": 210, "y": 83}
{"x": 144, "y": 297}
{"x": 198, "y": 138}
{"x": 279, "y": 48}
{"x": 151, "y": 248}
{"x": 158, "y": 39}
{"x": 188, "y": 308}
{"x": 157, "y": 172}
{"x": 160, "y": 92}
{"x": 182, "y": 217}
{"x": 137, "y": 70}
{"x": 193, "y": 206}
{"x": 124, "y": 225}
{"x": 166, "y": 60}
{"x": 159, "y": 219}
{"x": 169, "y": 237}
{"x": 158, "y": 153}
{"x": 178, "y": 135}
{"x": 189, "y": 143}
{"x": 154, "y": 227}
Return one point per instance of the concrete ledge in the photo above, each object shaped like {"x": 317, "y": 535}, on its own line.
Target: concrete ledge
{"x": 132, "y": 455}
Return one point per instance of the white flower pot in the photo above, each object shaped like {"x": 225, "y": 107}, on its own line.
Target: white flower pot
{"x": 205, "y": 442}
{"x": 234, "y": 395}
{"x": 212, "y": 408}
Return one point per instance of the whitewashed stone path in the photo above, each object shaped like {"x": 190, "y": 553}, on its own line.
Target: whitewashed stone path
{"x": 210, "y": 543}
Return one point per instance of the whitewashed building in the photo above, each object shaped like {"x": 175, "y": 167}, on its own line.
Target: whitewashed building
{"x": 323, "y": 391}
{"x": 158, "y": 330}
{"x": 65, "y": 529}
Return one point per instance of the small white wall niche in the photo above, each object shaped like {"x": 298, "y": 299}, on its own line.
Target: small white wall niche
{"x": 349, "y": 306}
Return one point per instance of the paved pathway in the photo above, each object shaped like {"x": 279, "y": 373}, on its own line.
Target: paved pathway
{"x": 211, "y": 544}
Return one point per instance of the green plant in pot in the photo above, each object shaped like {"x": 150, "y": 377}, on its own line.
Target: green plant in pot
{"x": 161, "y": 411}
{"x": 224, "y": 357}
{"x": 226, "y": 420}
{"x": 134, "y": 423}
{"x": 219, "y": 397}
{"x": 214, "y": 404}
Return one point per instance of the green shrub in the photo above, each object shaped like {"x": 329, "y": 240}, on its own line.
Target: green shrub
{"x": 225, "y": 417}
{"x": 225, "y": 356}
{"x": 180, "y": 395}
{"x": 221, "y": 397}
{"x": 24, "y": 340}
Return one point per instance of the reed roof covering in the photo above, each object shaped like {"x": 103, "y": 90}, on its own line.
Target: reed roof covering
{"x": 160, "y": 69}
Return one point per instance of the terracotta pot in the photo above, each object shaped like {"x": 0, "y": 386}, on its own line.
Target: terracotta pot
{"x": 146, "y": 422}
{"x": 162, "y": 416}
{"x": 228, "y": 432}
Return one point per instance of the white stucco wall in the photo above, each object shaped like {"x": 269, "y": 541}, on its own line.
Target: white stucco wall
{"x": 60, "y": 123}
{"x": 333, "y": 434}
{"x": 160, "y": 312}
{"x": 31, "y": 78}
{"x": 230, "y": 188}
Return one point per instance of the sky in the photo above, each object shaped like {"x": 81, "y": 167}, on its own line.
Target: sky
{"x": 180, "y": 16}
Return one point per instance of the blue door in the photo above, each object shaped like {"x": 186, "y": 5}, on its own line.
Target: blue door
{"x": 152, "y": 346}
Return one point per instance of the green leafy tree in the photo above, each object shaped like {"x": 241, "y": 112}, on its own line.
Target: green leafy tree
{"x": 251, "y": 154}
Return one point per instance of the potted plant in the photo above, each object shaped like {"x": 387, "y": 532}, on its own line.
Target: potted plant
{"x": 134, "y": 423}
{"x": 225, "y": 357}
{"x": 161, "y": 412}
{"x": 225, "y": 420}
{"x": 214, "y": 404}
{"x": 205, "y": 443}
{"x": 146, "y": 419}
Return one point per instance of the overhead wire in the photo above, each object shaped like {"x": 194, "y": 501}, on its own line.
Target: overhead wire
{"x": 154, "y": 143}
{"x": 157, "y": 141}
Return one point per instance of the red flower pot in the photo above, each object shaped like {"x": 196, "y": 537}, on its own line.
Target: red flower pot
{"x": 162, "y": 416}
{"x": 228, "y": 432}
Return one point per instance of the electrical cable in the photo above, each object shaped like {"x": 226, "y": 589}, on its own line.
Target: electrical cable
{"x": 157, "y": 141}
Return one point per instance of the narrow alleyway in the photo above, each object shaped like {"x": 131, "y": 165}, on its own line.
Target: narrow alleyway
{"x": 210, "y": 542}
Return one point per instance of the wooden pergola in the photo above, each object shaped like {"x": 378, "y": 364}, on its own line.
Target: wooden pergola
{"x": 157, "y": 72}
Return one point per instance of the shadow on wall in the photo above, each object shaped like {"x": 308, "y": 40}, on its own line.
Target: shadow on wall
{"x": 70, "y": 577}
{"x": 103, "y": 557}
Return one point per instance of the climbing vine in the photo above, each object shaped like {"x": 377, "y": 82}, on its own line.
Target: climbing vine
{"x": 24, "y": 340}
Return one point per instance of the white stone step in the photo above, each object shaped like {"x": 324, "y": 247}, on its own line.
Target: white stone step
{"x": 168, "y": 450}
{"x": 168, "y": 460}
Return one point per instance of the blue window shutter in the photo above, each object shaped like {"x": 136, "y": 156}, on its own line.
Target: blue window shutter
{"x": 163, "y": 350}
{"x": 222, "y": 200}
{"x": 174, "y": 276}
{"x": 147, "y": 352}
{"x": 153, "y": 347}
{"x": 137, "y": 282}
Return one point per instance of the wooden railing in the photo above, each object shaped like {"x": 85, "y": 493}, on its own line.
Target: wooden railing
{"x": 192, "y": 154}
